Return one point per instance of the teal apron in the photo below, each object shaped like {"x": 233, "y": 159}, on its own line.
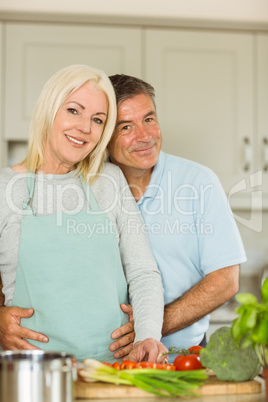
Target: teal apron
{"x": 69, "y": 270}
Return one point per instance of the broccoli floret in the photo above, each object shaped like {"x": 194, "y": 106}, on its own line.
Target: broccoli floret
{"x": 227, "y": 359}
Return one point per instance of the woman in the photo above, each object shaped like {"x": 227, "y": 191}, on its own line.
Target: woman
{"x": 71, "y": 242}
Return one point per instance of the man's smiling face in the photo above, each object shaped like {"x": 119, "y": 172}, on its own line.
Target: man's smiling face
{"x": 137, "y": 141}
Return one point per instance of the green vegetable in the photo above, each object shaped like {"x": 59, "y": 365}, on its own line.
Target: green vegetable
{"x": 251, "y": 326}
{"x": 159, "y": 382}
{"x": 172, "y": 350}
{"x": 228, "y": 360}
{"x": 177, "y": 351}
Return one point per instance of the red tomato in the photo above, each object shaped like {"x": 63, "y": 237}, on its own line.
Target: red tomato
{"x": 158, "y": 366}
{"x": 116, "y": 365}
{"x": 165, "y": 366}
{"x": 127, "y": 364}
{"x": 145, "y": 365}
{"x": 188, "y": 362}
{"x": 195, "y": 349}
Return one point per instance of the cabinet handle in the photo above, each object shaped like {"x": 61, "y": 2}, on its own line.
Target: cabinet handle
{"x": 247, "y": 153}
{"x": 265, "y": 144}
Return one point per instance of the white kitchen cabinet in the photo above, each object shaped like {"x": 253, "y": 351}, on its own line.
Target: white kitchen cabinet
{"x": 260, "y": 161}
{"x": 205, "y": 96}
{"x": 2, "y": 142}
{"x": 33, "y": 52}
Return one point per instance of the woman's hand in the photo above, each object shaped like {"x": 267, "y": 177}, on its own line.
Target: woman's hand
{"x": 12, "y": 334}
{"x": 125, "y": 334}
{"x": 149, "y": 350}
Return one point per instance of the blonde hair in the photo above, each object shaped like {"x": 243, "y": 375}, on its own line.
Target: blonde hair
{"x": 52, "y": 97}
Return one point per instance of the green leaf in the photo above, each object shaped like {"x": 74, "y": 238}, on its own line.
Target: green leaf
{"x": 264, "y": 329}
{"x": 246, "y": 298}
{"x": 251, "y": 318}
{"x": 245, "y": 318}
{"x": 264, "y": 291}
{"x": 246, "y": 343}
{"x": 236, "y": 329}
{"x": 260, "y": 334}
{"x": 240, "y": 310}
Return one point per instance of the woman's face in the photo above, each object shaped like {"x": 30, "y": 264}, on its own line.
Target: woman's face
{"x": 76, "y": 130}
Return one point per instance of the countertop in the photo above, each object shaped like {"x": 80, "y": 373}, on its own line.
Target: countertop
{"x": 211, "y": 398}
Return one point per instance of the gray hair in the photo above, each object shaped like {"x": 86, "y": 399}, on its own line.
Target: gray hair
{"x": 126, "y": 87}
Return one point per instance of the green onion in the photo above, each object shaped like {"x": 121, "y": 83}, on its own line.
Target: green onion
{"x": 158, "y": 382}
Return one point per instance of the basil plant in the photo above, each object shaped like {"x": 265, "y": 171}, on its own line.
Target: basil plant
{"x": 251, "y": 326}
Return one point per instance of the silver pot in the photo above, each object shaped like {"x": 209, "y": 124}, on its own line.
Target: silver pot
{"x": 36, "y": 376}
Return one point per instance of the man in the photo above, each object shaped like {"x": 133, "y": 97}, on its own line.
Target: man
{"x": 192, "y": 232}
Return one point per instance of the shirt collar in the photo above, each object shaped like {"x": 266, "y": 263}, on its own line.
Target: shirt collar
{"x": 153, "y": 186}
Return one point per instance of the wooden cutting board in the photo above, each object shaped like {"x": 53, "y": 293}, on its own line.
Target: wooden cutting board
{"x": 212, "y": 387}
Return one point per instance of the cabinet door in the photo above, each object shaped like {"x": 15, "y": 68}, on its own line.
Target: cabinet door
{"x": 36, "y": 51}
{"x": 204, "y": 94}
{"x": 2, "y": 144}
{"x": 261, "y": 154}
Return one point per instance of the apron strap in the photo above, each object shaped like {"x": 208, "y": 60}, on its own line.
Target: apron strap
{"x": 27, "y": 203}
{"x": 90, "y": 196}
